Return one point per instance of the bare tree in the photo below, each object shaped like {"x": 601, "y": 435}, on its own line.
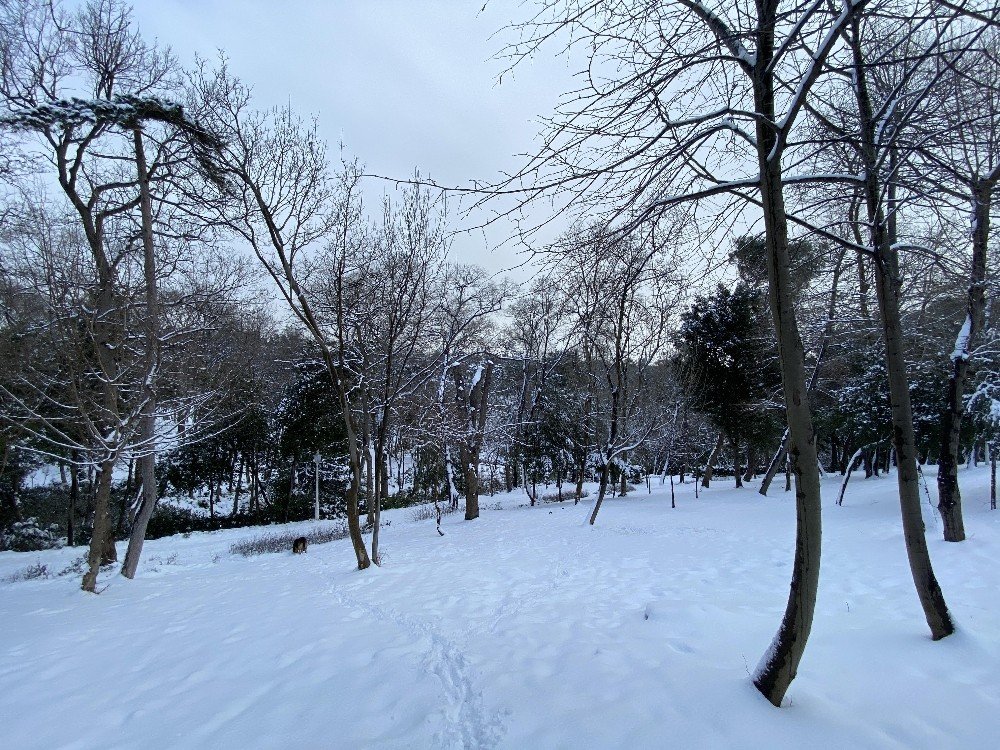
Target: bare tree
{"x": 536, "y": 339}
{"x": 284, "y": 203}
{"x": 623, "y": 301}
{"x": 965, "y": 164}
{"x": 463, "y": 328}
{"x": 891, "y": 74}
{"x": 392, "y": 291}
{"x": 48, "y": 56}
{"x": 702, "y": 106}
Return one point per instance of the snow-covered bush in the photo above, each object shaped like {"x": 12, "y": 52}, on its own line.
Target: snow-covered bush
{"x": 76, "y": 567}
{"x": 570, "y": 494}
{"x": 425, "y": 512}
{"x": 30, "y": 536}
{"x": 37, "y": 570}
{"x": 282, "y": 541}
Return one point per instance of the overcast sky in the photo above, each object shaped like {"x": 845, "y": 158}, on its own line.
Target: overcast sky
{"x": 403, "y": 83}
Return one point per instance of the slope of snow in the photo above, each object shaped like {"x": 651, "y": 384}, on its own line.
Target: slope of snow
{"x": 524, "y": 629}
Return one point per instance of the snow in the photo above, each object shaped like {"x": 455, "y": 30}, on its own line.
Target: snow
{"x": 961, "y": 350}
{"x": 524, "y": 629}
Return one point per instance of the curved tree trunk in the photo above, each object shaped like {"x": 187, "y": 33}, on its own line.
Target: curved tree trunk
{"x": 779, "y": 665}
{"x": 928, "y": 590}
{"x": 851, "y": 463}
{"x": 887, "y": 288}
{"x": 602, "y": 490}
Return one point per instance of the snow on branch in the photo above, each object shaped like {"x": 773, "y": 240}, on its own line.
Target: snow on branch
{"x": 723, "y": 34}
{"x": 124, "y": 111}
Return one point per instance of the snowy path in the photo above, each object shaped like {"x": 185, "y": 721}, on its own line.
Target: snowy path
{"x": 524, "y": 629}
{"x": 465, "y": 720}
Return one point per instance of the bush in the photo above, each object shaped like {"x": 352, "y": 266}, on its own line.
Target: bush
{"x": 427, "y": 512}
{"x": 30, "y": 536}
{"x": 282, "y": 541}
{"x": 553, "y": 497}
{"x": 76, "y": 567}
{"x": 38, "y": 570}
{"x": 168, "y": 520}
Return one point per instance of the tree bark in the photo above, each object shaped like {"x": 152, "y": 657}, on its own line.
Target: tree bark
{"x": 477, "y": 406}
{"x": 928, "y": 590}
{"x": 777, "y": 460}
{"x": 751, "y": 471}
{"x": 74, "y": 498}
{"x": 993, "y": 482}
{"x": 102, "y": 525}
{"x": 887, "y": 288}
{"x": 949, "y": 495}
{"x": 737, "y": 469}
{"x": 851, "y": 463}
{"x": 602, "y": 490}
{"x": 779, "y": 665}
{"x": 706, "y": 479}
{"x": 147, "y": 427}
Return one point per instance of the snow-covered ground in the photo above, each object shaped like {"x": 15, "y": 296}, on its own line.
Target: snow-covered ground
{"x": 524, "y": 629}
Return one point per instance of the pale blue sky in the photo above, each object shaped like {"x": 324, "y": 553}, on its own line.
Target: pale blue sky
{"x": 403, "y": 83}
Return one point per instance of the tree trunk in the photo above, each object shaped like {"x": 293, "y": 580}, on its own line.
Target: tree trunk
{"x": 847, "y": 475}
{"x": 368, "y": 461}
{"x": 887, "y": 287}
{"x": 949, "y": 495}
{"x": 777, "y": 460}
{"x": 928, "y": 589}
{"x": 74, "y": 497}
{"x": 779, "y": 665}
{"x": 477, "y": 401}
{"x": 102, "y": 525}
{"x": 737, "y": 469}
{"x": 602, "y": 490}
{"x": 449, "y": 473}
{"x": 993, "y": 482}
{"x": 706, "y": 479}
{"x": 470, "y": 462}
{"x": 239, "y": 488}
{"x": 751, "y": 471}
{"x": 781, "y": 455}
{"x": 147, "y": 428}
{"x": 354, "y": 516}
{"x": 378, "y": 484}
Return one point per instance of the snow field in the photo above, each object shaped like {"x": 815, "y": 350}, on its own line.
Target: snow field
{"x": 524, "y": 629}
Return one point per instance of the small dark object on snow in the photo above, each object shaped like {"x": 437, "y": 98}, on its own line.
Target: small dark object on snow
{"x": 299, "y": 545}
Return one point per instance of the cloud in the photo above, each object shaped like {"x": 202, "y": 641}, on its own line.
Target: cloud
{"x": 403, "y": 84}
